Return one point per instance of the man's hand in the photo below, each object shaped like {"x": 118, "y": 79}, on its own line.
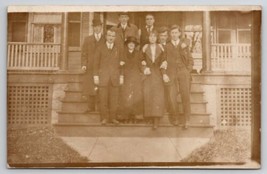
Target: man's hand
{"x": 84, "y": 68}
{"x": 166, "y": 78}
{"x": 147, "y": 71}
{"x": 121, "y": 80}
{"x": 164, "y": 65}
{"x": 96, "y": 80}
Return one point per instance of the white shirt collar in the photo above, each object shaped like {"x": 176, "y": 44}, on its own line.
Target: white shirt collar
{"x": 123, "y": 26}
{"x": 98, "y": 36}
{"x": 109, "y": 45}
{"x": 175, "y": 43}
{"x": 150, "y": 27}
{"x": 131, "y": 51}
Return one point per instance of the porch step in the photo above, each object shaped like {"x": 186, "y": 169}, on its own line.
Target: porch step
{"x": 73, "y": 96}
{"x": 74, "y": 106}
{"x": 71, "y": 117}
{"x": 97, "y": 130}
{"x": 196, "y": 107}
{"x": 76, "y": 86}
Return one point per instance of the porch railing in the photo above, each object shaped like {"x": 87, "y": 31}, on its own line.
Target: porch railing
{"x": 33, "y": 56}
{"x": 231, "y": 57}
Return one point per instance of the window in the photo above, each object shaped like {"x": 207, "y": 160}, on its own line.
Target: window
{"x": 17, "y": 27}
{"x": 224, "y": 36}
{"x": 19, "y": 32}
{"x": 74, "y": 29}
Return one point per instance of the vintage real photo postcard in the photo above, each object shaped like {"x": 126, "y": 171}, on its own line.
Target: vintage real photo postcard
{"x": 134, "y": 86}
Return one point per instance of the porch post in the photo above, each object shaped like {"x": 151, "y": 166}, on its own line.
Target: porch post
{"x": 206, "y": 42}
{"x": 64, "y": 42}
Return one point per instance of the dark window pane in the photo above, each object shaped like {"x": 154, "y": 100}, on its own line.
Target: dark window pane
{"x": 74, "y": 34}
{"x": 244, "y": 37}
{"x": 224, "y": 37}
{"x": 18, "y": 31}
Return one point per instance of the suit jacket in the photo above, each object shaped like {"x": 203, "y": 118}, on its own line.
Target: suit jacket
{"x": 89, "y": 47}
{"x": 121, "y": 35}
{"x": 107, "y": 65}
{"x": 177, "y": 57}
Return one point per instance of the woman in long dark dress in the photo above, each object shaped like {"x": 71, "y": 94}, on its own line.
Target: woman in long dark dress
{"x": 132, "y": 94}
{"x": 154, "y": 67}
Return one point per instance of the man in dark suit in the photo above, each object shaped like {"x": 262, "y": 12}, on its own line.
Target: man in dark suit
{"x": 91, "y": 43}
{"x": 108, "y": 76}
{"x": 180, "y": 64}
{"x": 125, "y": 29}
{"x": 144, "y": 31}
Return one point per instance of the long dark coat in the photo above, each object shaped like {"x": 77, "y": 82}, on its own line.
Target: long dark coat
{"x": 131, "y": 91}
{"x": 121, "y": 34}
{"x": 154, "y": 104}
{"x": 88, "y": 52}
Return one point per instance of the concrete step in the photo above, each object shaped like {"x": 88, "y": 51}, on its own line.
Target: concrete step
{"x": 70, "y": 117}
{"x": 72, "y": 106}
{"x": 196, "y": 107}
{"x": 76, "y": 86}
{"x": 110, "y": 130}
{"x": 73, "y": 96}
{"x": 195, "y": 96}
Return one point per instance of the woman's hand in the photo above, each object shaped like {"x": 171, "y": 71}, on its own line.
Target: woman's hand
{"x": 147, "y": 71}
{"x": 166, "y": 78}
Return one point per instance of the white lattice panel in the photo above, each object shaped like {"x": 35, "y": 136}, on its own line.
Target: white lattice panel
{"x": 235, "y": 107}
{"x": 28, "y": 105}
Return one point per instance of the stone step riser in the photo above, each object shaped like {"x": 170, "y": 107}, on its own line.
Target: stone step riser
{"x": 195, "y": 107}
{"x": 195, "y": 97}
{"x": 74, "y": 87}
{"x": 73, "y": 96}
{"x": 74, "y": 107}
{"x": 83, "y": 118}
{"x": 132, "y": 131}
{"x": 78, "y": 87}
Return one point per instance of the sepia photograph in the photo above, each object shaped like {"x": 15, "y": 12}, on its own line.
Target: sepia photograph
{"x": 134, "y": 87}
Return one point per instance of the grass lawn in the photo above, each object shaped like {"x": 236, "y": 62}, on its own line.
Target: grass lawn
{"x": 230, "y": 145}
{"x": 37, "y": 145}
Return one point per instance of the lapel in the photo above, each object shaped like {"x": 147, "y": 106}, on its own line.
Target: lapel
{"x": 149, "y": 53}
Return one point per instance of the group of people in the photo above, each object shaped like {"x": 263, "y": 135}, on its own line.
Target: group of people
{"x": 137, "y": 72}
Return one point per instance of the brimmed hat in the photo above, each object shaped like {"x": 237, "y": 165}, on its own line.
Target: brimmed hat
{"x": 97, "y": 22}
{"x": 131, "y": 39}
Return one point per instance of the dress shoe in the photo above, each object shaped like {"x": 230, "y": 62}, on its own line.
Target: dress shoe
{"x": 104, "y": 122}
{"x": 114, "y": 121}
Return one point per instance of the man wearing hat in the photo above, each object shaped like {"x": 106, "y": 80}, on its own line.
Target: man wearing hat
{"x": 90, "y": 44}
{"x": 144, "y": 31}
{"x": 125, "y": 29}
{"x": 180, "y": 64}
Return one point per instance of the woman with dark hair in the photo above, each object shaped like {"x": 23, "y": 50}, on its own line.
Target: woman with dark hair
{"x": 131, "y": 91}
{"x": 154, "y": 67}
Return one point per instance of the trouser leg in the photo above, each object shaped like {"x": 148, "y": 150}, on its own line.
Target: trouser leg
{"x": 92, "y": 102}
{"x": 113, "y": 101}
{"x": 184, "y": 86}
{"x": 103, "y": 102}
{"x": 172, "y": 102}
